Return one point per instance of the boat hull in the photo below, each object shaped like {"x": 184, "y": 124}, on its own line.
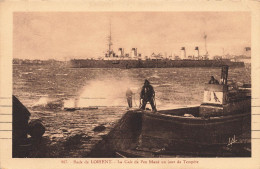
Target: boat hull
{"x": 160, "y": 130}
{"x": 142, "y": 134}
{"x": 164, "y": 63}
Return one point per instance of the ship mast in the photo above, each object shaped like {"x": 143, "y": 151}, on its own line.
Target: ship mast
{"x": 205, "y": 38}
{"x": 110, "y": 40}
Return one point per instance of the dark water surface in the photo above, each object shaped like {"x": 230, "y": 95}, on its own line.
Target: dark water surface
{"x": 173, "y": 86}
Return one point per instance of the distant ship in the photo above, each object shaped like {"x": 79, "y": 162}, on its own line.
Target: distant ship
{"x": 135, "y": 60}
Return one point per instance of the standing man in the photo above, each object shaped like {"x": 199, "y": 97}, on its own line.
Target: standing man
{"x": 147, "y": 95}
{"x": 129, "y": 94}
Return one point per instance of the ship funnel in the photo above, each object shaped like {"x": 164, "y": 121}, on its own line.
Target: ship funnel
{"x": 197, "y": 52}
{"x": 139, "y": 56}
{"x": 121, "y": 52}
{"x": 183, "y": 53}
{"x": 134, "y": 52}
{"x": 248, "y": 48}
{"x": 248, "y": 51}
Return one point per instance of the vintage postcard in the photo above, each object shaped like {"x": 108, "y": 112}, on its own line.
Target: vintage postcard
{"x": 118, "y": 84}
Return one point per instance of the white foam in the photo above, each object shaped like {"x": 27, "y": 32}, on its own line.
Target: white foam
{"x": 105, "y": 92}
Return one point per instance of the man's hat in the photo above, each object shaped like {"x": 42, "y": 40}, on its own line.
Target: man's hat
{"x": 146, "y": 81}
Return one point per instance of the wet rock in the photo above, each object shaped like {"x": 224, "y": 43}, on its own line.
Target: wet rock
{"x": 73, "y": 141}
{"x": 103, "y": 136}
{"x": 88, "y": 137}
{"x": 99, "y": 128}
{"x": 45, "y": 103}
{"x": 36, "y": 129}
{"x": 21, "y": 116}
{"x": 54, "y": 104}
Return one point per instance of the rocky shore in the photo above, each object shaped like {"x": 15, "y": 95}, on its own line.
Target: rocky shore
{"x": 72, "y": 133}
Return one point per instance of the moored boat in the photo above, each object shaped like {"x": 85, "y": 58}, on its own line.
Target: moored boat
{"x": 205, "y": 130}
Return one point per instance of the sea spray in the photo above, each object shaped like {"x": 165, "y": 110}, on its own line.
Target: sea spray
{"x": 43, "y": 101}
{"x": 105, "y": 92}
{"x": 47, "y": 102}
{"x": 109, "y": 93}
{"x": 69, "y": 103}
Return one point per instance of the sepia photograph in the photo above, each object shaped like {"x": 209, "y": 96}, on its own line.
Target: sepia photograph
{"x": 131, "y": 84}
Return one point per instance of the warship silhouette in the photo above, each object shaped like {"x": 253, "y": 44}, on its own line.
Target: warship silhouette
{"x": 134, "y": 59}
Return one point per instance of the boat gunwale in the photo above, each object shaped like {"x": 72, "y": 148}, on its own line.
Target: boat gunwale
{"x": 196, "y": 119}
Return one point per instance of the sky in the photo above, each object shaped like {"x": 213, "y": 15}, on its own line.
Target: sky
{"x": 67, "y": 35}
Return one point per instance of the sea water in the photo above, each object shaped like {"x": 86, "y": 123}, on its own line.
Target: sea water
{"x": 46, "y": 90}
